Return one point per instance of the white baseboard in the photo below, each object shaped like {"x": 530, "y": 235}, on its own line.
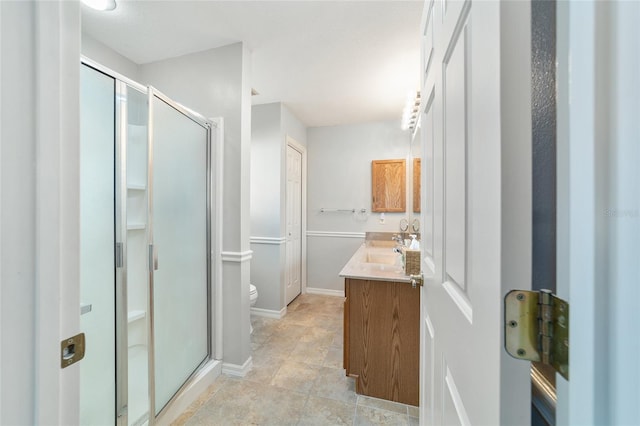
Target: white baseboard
{"x": 269, "y": 313}
{"x": 196, "y": 387}
{"x": 237, "y": 370}
{"x": 325, "y": 291}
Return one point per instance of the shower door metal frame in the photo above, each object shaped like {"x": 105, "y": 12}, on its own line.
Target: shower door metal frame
{"x": 123, "y": 88}
{"x": 122, "y": 337}
{"x": 207, "y": 125}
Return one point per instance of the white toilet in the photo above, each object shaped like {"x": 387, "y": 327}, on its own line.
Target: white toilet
{"x": 253, "y": 296}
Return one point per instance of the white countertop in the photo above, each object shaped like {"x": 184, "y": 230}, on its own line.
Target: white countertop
{"x": 363, "y": 265}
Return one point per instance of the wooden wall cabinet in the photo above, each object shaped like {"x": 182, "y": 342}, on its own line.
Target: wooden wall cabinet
{"x": 382, "y": 339}
{"x": 388, "y": 185}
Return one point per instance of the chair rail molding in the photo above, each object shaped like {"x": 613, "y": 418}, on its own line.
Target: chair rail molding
{"x": 335, "y": 234}
{"x": 268, "y": 240}
{"x": 237, "y": 256}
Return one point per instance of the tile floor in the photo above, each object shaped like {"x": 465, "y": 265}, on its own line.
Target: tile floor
{"x": 297, "y": 377}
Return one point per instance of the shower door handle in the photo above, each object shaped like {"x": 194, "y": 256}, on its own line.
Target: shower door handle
{"x": 153, "y": 257}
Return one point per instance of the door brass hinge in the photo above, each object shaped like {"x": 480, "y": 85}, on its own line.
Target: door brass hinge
{"x": 536, "y": 328}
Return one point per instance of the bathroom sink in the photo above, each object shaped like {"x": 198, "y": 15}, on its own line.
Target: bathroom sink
{"x": 386, "y": 257}
{"x": 375, "y": 263}
{"x": 381, "y": 243}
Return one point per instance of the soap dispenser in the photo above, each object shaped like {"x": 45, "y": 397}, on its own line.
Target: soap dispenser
{"x": 415, "y": 245}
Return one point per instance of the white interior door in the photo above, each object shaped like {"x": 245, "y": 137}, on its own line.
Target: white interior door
{"x": 294, "y": 224}
{"x": 477, "y": 239}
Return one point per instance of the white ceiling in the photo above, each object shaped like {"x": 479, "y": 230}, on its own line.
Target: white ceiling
{"x": 330, "y": 62}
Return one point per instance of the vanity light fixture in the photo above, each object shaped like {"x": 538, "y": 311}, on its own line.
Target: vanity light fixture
{"x": 100, "y": 4}
{"x": 410, "y": 112}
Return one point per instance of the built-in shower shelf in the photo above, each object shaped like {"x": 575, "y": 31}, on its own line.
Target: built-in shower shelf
{"x": 133, "y": 226}
{"x": 135, "y": 315}
{"x": 137, "y": 186}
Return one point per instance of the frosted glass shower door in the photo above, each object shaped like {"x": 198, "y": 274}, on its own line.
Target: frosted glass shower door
{"x": 179, "y": 228}
{"x": 97, "y": 241}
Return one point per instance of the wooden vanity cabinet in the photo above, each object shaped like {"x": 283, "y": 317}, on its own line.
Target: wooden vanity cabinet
{"x": 382, "y": 338}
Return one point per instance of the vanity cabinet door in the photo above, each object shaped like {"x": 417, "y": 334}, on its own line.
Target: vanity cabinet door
{"x": 388, "y": 185}
{"x": 382, "y": 339}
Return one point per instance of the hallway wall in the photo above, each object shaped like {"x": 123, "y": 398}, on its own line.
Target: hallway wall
{"x": 271, "y": 124}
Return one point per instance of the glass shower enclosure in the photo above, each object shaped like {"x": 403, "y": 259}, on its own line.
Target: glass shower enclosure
{"x": 145, "y": 248}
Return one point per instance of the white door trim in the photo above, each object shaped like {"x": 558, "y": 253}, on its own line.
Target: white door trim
{"x": 217, "y": 174}
{"x": 57, "y": 214}
{"x": 599, "y": 209}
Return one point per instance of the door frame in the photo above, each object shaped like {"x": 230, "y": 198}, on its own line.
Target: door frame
{"x": 599, "y": 209}
{"x": 56, "y": 219}
{"x": 291, "y": 142}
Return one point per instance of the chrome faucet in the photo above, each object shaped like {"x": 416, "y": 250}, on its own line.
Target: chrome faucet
{"x": 398, "y": 239}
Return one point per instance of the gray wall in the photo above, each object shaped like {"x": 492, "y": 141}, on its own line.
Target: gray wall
{"x": 339, "y": 176}
{"x": 271, "y": 124}
{"x": 104, "y": 55}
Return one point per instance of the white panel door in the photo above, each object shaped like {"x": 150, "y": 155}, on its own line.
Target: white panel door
{"x": 294, "y": 224}
{"x": 464, "y": 377}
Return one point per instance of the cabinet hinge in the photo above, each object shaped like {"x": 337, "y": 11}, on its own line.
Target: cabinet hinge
{"x": 536, "y": 325}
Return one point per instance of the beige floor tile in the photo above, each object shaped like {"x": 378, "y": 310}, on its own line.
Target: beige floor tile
{"x": 414, "y": 421}
{"x": 323, "y": 411}
{"x": 309, "y": 352}
{"x": 243, "y": 402}
{"x": 202, "y": 399}
{"x": 413, "y": 411}
{"x": 296, "y": 376}
{"x": 291, "y": 330}
{"x": 333, "y": 322}
{"x": 318, "y": 336}
{"x": 264, "y": 369}
{"x": 275, "y": 349}
{"x": 334, "y": 358}
{"x": 337, "y": 341}
{"x": 376, "y": 416}
{"x": 260, "y": 335}
{"x": 383, "y": 404}
{"x": 332, "y": 383}
{"x": 301, "y": 318}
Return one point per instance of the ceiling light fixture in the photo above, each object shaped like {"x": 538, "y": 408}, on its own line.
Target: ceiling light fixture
{"x": 100, "y": 4}
{"x": 410, "y": 112}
